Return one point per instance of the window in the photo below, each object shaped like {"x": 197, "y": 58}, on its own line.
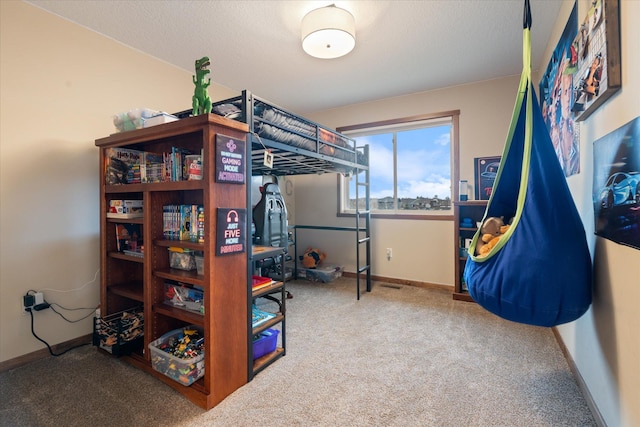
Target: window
{"x": 411, "y": 165}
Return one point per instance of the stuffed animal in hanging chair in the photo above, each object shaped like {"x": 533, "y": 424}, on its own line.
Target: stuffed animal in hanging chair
{"x": 492, "y": 230}
{"x": 312, "y": 257}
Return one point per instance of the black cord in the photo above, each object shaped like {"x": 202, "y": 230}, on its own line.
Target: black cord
{"x": 72, "y": 321}
{"x": 47, "y": 344}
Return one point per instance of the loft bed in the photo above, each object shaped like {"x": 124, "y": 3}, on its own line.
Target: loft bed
{"x": 300, "y": 146}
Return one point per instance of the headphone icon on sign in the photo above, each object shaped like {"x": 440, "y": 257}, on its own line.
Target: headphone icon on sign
{"x": 233, "y": 214}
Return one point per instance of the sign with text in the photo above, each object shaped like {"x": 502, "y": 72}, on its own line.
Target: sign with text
{"x": 230, "y": 160}
{"x": 230, "y": 231}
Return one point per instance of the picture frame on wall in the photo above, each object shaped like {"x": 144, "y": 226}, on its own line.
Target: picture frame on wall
{"x": 616, "y": 185}
{"x": 597, "y": 46}
{"x": 485, "y": 172}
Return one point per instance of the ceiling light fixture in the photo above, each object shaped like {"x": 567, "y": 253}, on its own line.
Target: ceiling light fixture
{"x": 328, "y": 32}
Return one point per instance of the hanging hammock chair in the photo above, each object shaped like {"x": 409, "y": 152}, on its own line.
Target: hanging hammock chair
{"x": 539, "y": 272}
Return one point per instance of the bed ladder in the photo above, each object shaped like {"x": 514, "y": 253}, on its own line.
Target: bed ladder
{"x": 363, "y": 223}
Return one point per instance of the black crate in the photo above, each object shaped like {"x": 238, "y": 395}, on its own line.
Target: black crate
{"x": 120, "y": 333}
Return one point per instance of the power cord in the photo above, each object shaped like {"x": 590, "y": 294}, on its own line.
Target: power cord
{"x": 46, "y": 343}
{"x": 73, "y": 309}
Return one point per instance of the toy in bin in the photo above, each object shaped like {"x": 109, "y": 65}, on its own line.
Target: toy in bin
{"x": 184, "y": 296}
{"x": 179, "y": 354}
{"x": 182, "y": 259}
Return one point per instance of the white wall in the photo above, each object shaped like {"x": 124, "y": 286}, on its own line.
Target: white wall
{"x": 60, "y": 85}
{"x": 605, "y": 343}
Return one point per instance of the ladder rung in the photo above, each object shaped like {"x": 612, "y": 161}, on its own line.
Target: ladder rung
{"x": 366, "y": 239}
{"x": 364, "y": 268}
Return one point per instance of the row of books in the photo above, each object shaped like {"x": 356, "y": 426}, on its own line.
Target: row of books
{"x": 128, "y": 166}
{"x": 183, "y": 222}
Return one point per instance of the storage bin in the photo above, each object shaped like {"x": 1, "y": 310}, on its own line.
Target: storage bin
{"x": 265, "y": 343}
{"x": 200, "y": 265}
{"x": 183, "y": 370}
{"x": 133, "y": 119}
{"x": 186, "y": 297}
{"x": 325, "y": 273}
{"x": 120, "y": 333}
{"x": 182, "y": 259}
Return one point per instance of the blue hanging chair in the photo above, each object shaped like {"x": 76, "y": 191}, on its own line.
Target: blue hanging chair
{"x": 539, "y": 273}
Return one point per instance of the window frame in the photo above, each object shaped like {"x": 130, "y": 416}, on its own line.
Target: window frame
{"x": 454, "y": 117}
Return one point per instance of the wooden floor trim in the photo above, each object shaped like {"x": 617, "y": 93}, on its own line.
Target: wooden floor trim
{"x": 44, "y": 353}
{"x": 582, "y": 385}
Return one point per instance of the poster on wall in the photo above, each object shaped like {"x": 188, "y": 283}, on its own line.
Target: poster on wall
{"x": 557, "y": 98}
{"x": 485, "y": 171}
{"x": 597, "y": 46}
{"x": 616, "y": 185}
{"x": 230, "y": 231}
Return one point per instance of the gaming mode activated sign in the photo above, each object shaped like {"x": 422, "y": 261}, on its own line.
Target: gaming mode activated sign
{"x": 230, "y": 160}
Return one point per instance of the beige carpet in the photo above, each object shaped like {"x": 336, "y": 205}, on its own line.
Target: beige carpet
{"x": 401, "y": 356}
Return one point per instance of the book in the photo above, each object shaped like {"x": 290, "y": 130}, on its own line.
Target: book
{"x": 125, "y": 215}
{"x": 260, "y": 316}
{"x": 151, "y": 167}
{"x": 121, "y": 164}
{"x": 121, "y": 206}
{"x": 259, "y": 282}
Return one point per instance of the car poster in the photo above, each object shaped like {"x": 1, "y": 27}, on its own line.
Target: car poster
{"x": 616, "y": 185}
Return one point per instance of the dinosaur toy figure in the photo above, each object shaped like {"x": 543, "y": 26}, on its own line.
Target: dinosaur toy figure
{"x": 201, "y": 100}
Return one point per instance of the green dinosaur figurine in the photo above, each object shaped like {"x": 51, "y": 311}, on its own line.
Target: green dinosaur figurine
{"x": 201, "y": 100}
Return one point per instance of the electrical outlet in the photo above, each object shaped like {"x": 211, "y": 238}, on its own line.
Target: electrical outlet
{"x": 31, "y": 300}
{"x": 389, "y": 254}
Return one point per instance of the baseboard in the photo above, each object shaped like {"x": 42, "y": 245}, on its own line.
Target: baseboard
{"x": 582, "y": 385}
{"x": 44, "y": 353}
{"x": 415, "y": 283}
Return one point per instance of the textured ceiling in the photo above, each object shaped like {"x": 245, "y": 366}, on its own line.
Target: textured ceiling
{"x": 402, "y": 47}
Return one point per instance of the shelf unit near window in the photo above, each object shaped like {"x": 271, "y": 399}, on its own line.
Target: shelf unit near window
{"x": 473, "y": 209}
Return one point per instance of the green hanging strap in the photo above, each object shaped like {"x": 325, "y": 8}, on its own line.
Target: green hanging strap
{"x": 525, "y": 85}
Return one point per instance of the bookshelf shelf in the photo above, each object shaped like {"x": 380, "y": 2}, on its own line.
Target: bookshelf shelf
{"x": 127, "y": 281}
{"x": 275, "y": 293}
{"x": 473, "y": 209}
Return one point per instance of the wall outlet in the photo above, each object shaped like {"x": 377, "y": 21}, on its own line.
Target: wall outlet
{"x": 31, "y": 300}
{"x": 389, "y": 254}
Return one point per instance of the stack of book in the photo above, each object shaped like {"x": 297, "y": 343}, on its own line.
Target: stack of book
{"x": 260, "y": 316}
{"x": 260, "y": 282}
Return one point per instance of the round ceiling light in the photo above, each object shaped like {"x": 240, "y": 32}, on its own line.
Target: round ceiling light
{"x": 328, "y": 32}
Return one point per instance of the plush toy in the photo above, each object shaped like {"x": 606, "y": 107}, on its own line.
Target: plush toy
{"x": 492, "y": 230}
{"x": 312, "y": 258}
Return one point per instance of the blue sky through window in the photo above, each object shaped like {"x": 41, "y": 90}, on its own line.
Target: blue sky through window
{"x": 423, "y": 163}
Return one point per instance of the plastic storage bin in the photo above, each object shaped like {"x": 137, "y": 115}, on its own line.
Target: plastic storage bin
{"x": 325, "y": 273}
{"x": 183, "y": 370}
{"x": 133, "y": 119}
{"x": 200, "y": 264}
{"x": 182, "y": 259}
{"x": 186, "y": 297}
{"x": 265, "y": 343}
